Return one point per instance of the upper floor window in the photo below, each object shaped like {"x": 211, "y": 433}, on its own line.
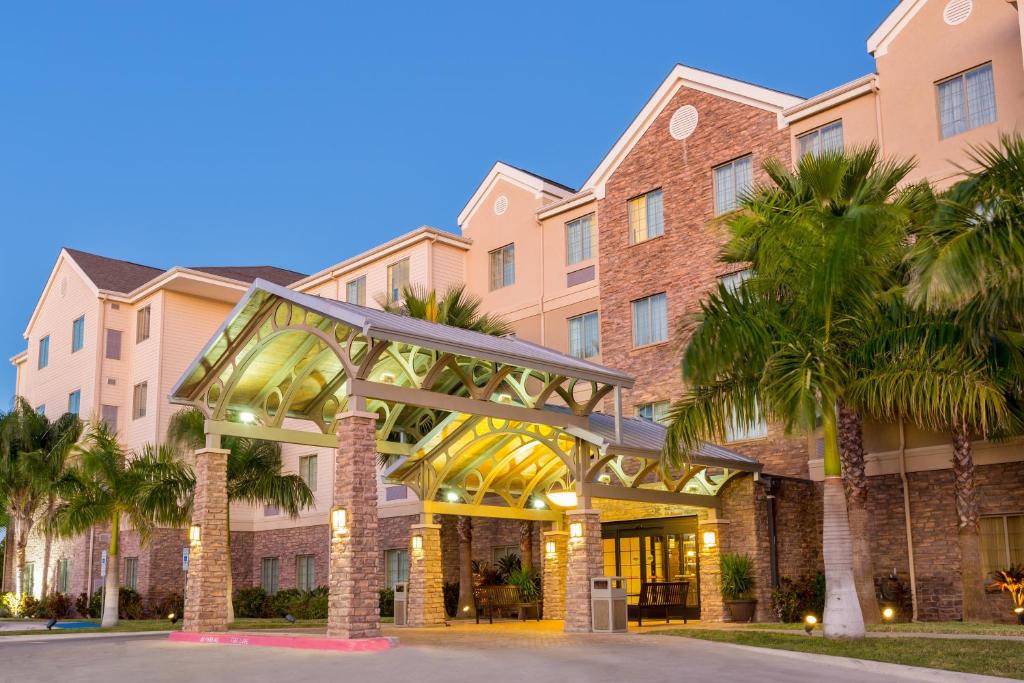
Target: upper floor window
{"x": 967, "y": 100}
{"x": 646, "y": 216}
{"x": 656, "y": 411}
{"x": 732, "y": 180}
{"x": 307, "y": 470}
{"x": 78, "y": 334}
{"x": 75, "y": 402}
{"x": 398, "y": 278}
{"x": 139, "y": 400}
{"x": 142, "y": 324}
{"x": 108, "y": 414}
{"x": 584, "y": 335}
{"x": 503, "y": 266}
{"x": 44, "y": 352}
{"x": 745, "y": 431}
{"x": 650, "y": 320}
{"x": 1002, "y": 543}
{"x": 827, "y": 138}
{"x": 41, "y": 409}
{"x": 355, "y": 291}
{"x": 113, "y": 344}
{"x": 732, "y": 281}
{"x": 579, "y": 239}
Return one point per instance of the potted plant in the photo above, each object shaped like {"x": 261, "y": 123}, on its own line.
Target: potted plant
{"x": 738, "y": 586}
{"x": 1012, "y": 581}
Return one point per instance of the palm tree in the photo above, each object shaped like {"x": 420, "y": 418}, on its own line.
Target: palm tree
{"x": 457, "y": 308}
{"x": 254, "y": 472}
{"x": 822, "y": 242}
{"x": 106, "y": 484}
{"x": 31, "y": 449}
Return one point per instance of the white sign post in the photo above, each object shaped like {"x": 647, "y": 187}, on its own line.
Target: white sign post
{"x": 184, "y": 560}
{"x": 103, "y": 563}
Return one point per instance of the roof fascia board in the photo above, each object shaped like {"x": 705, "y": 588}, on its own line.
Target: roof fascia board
{"x": 517, "y": 177}
{"x": 561, "y": 207}
{"x": 180, "y": 273}
{"x": 61, "y": 258}
{"x": 882, "y": 37}
{"x": 832, "y": 98}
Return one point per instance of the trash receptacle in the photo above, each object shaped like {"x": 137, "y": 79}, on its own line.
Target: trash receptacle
{"x": 401, "y": 604}
{"x": 608, "y": 604}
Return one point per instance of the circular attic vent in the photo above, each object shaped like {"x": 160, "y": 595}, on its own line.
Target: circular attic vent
{"x": 957, "y": 11}
{"x": 684, "y": 122}
{"x": 501, "y": 205}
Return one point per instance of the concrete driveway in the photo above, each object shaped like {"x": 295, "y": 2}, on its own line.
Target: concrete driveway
{"x": 484, "y": 654}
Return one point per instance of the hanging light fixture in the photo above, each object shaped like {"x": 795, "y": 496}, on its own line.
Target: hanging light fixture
{"x": 561, "y": 494}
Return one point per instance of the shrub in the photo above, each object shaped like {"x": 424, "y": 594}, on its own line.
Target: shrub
{"x": 252, "y": 603}
{"x": 56, "y": 605}
{"x": 29, "y": 606}
{"x": 451, "y": 598}
{"x": 387, "y": 602}
{"x": 129, "y": 604}
{"x": 317, "y": 605}
{"x": 737, "y": 576}
{"x": 794, "y": 600}
{"x": 82, "y": 603}
{"x": 506, "y": 565}
{"x": 280, "y": 602}
{"x": 171, "y": 603}
{"x": 527, "y": 582}
{"x": 96, "y": 604}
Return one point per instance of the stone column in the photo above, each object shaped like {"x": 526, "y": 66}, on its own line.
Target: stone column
{"x": 553, "y": 579}
{"x": 206, "y": 598}
{"x": 712, "y": 609}
{"x": 585, "y": 561}
{"x": 353, "y": 603}
{"x": 426, "y": 579}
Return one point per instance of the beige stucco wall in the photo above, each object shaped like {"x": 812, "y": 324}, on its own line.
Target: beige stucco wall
{"x": 860, "y": 127}
{"x": 928, "y": 50}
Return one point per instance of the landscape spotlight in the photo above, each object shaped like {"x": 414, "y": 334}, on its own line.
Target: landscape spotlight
{"x": 810, "y": 621}
{"x": 51, "y": 623}
{"x": 173, "y": 617}
{"x": 289, "y": 618}
{"x": 1019, "y": 611}
{"x": 888, "y": 613}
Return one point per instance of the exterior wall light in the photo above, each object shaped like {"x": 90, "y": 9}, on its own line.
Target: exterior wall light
{"x": 194, "y": 534}
{"x": 576, "y": 530}
{"x": 417, "y": 542}
{"x": 549, "y": 549}
{"x": 538, "y": 504}
{"x": 339, "y": 520}
{"x": 709, "y": 539}
{"x": 888, "y": 613}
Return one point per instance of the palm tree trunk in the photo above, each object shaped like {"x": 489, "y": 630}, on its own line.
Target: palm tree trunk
{"x": 972, "y": 582}
{"x": 467, "y": 608}
{"x": 843, "y": 617}
{"x": 851, "y": 454}
{"x": 21, "y": 549}
{"x": 112, "y": 585}
{"x": 47, "y": 547}
{"x": 526, "y": 545}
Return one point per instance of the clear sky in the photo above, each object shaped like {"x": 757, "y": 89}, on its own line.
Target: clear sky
{"x": 298, "y": 134}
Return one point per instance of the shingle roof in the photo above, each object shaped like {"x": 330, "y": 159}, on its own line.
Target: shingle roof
{"x": 279, "y": 276}
{"x": 546, "y": 180}
{"x": 113, "y": 274}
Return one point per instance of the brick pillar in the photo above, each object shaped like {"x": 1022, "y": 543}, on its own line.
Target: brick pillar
{"x": 426, "y": 580}
{"x": 585, "y": 561}
{"x": 353, "y": 603}
{"x": 206, "y": 598}
{"x": 712, "y": 609}
{"x": 553, "y": 579}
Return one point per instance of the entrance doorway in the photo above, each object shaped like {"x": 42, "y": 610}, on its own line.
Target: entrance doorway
{"x": 654, "y": 550}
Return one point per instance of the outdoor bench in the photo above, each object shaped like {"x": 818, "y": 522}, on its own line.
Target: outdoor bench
{"x": 662, "y": 595}
{"x": 492, "y": 598}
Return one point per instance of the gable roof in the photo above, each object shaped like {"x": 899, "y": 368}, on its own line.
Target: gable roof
{"x": 897, "y": 19}
{"x": 696, "y": 79}
{"x": 517, "y": 176}
{"x": 279, "y": 276}
{"x": 112, "y": 274}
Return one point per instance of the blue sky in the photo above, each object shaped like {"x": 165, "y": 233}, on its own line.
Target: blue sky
{"x": 298, "y": 134}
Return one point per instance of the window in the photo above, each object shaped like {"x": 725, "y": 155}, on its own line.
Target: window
{"x": 28, "y": 579}
{"x": 579, "y": 239}
{"x": 646, "y": 217}
{"x": 735, "y": 431}
{"x": 78, "y": 334}
{"x": 650, "y": 320}
{"x": 398, "y": 278}
{"x": 75, "y": 402}
{"x": 44, "y": 352}
{"x": 41, "y": 409}
{"x": 966, "y": 101}
{"x": 305, "y": 572}
{"x": 131, "y": 573}
{"x": 396, "y": 567}
{"x": 500, "y": 551}
{"x": 63, "y": 575}
{"x": 731, "y": 181}
{"x": 142, "y": 324}
{"x": 307, "y": 470}
{"x": 139, "y": 400}
{"x": 355, "y": 291}
{"x": 827, "y": 138}
{"x": 113, "y": 344}
{"x": 503, "y": 266}
{"x": 271, "y": 575}
{"x": 108, "y": 414}
{"x": 584, "y": 335}
{"x": 271, "y": 510}
{"x": 732, "y": 281}
{"x": 656, "y": 411}
{"x": 1002, "y": 543}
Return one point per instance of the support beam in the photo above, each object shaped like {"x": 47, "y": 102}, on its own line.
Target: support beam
{"x": 438, "y": 507}
{"x": 296, "y": 436}
{"x": 641, "y": 495}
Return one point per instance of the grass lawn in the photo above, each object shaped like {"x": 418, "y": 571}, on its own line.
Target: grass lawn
{"x": 953, "y": 627}
{"x": 136, "y": 625}
{"x": 989, "y": 657}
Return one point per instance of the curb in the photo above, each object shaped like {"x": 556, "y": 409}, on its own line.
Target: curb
{"x": 286, "y": 641}
{"x": 28, "y": 637}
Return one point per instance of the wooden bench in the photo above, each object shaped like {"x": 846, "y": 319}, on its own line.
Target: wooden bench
{"x": 492, "y": 598}
{"x": 663, "y": 595}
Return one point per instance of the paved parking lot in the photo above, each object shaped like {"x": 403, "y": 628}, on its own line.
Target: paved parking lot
{"x": 485, "y": 654}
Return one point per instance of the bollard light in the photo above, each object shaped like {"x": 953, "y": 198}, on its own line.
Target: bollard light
{"x": 194, "y": 534}
{"x": 339, "y": 520}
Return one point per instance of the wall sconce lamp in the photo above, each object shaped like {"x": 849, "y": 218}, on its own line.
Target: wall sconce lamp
{"x": 339, "y": 520}
{"x": 417, "y": 542}
{"x": 709, "y": 539}
{"x": 550, "y": 549}
{"x": 576, "y": 530}
{"x": 194, "y": 534}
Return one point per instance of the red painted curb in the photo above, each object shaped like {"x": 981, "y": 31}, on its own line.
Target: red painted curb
{"x": 293, "y": 642}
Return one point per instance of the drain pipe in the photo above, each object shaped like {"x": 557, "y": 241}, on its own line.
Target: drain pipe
{"x": 773, "y": 547}
{"x": 906, "y": 520}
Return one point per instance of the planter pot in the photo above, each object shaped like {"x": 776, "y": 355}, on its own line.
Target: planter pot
{"x": 742, "y": 611}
